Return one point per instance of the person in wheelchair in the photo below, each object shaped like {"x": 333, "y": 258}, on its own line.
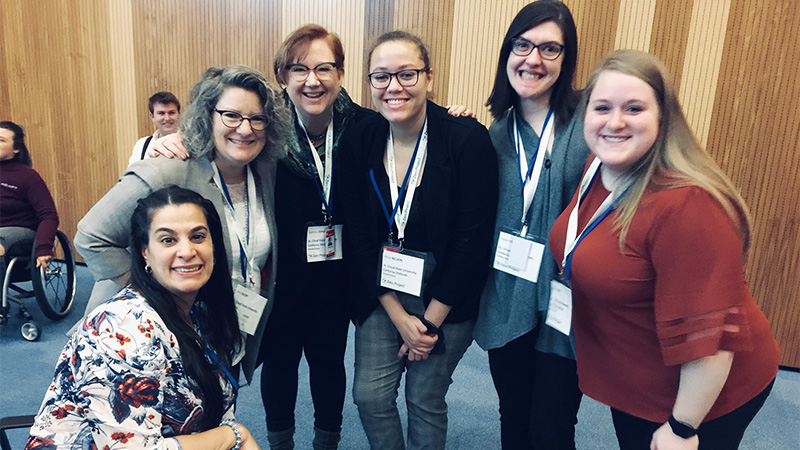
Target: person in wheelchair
{"x": 150, "y": 368}
{"x": 28, "y": 211}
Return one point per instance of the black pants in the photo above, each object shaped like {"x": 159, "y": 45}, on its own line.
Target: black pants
{"x": 723, "y": 433}
{"x": 539, "y": 396}
{"x": 317, "y": 326}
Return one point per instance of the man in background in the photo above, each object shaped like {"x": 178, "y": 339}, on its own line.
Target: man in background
{"x": 165, "y": 109}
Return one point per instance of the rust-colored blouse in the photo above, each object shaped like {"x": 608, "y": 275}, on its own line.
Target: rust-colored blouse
{"x": 675, "y": 294}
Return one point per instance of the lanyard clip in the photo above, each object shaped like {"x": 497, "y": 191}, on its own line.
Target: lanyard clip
{"x": 524, "y": 231}
{"x": 327, "y": 218}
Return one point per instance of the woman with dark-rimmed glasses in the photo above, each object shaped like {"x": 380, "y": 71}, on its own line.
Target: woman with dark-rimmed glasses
{"x": 540, "y": 152}
{"x": 419, "y": 189}
{"x": 234, "y": 128}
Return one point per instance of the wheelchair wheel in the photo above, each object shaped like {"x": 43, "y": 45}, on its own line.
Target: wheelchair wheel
{"x": 55, "y": 286}
{"x": 30, "y": 330}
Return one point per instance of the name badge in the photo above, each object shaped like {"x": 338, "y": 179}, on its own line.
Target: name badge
{"x": 518, "y": 256}
{"x": 249, "y": 308}
{"x": 323, "y": 243}
{"x": 401, "y": 269}
{"x": 559, "y": 312}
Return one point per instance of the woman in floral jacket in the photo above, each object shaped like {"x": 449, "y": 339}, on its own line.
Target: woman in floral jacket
{"x": 149, "y": 368}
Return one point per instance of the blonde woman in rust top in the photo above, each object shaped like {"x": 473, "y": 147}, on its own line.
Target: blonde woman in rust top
{"x": 666, "y": 331}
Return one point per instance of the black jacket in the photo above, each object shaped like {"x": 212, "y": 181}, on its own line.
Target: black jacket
{"x": 460, "y": 186}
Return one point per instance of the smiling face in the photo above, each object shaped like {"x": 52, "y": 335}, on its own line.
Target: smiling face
{"x": 165, "y": 117}
{"x": 531, "y": 76}
{"x": 236, "y": 147}
{"x": 7, "y": 150}
{"x": 621, "y": 122}
{"x": 179, "y": 250}
{"x": 400, "y": 105}
{"x": 314, "y": 97}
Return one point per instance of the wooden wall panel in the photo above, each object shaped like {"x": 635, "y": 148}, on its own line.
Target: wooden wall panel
{"x": 597, "y": 24}
{"x": 670, "y": 33}
{"x": 635, "y": 24}
{"x": 78, "y": 74}
{"x": 56, "y": 77}
{"x": 754, "y": 135}
{"x": 701, "y": 67}
{"x": 120, "y": 17}
{"x": 5, "y": 104}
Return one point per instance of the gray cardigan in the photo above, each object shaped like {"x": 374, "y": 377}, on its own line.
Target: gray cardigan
{"x": 103, "y": 234}
{"x": 511, "y": 306}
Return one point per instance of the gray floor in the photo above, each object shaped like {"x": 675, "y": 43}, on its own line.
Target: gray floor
{"x": 26, "y": 369}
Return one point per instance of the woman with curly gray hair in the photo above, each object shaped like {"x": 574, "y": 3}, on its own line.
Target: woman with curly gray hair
{"x": 234, "y": 129}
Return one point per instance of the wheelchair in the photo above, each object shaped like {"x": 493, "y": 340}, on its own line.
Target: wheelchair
{"x": 54, "y": 287}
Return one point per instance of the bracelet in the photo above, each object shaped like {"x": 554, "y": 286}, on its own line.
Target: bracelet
{"x": 681, "y": 429}
{"x": 235, "y": 428}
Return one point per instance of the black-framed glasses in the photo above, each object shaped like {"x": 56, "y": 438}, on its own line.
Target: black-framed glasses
{"x": 547, "y": 50}
{"x": 406, "y": 78}
{"x": 323, "y": 71}
{"x": 232, "y": 119}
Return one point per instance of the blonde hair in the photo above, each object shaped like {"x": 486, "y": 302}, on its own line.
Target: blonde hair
{"x": 676, "y": 159}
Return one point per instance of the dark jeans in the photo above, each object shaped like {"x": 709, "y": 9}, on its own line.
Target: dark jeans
{"x": 723, "y": 433}
{"x": 317, "y": 326}
{"x": 539, "y": 396}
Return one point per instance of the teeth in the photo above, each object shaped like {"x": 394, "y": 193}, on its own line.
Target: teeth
{"x": 187, "y": 269}
{"x": 395, "y": 101}
{"x": 239, "y": 142}
{"x": 313, "y": 94}
{"x": 530, "y": 76}
{"x": 614, "y": 138}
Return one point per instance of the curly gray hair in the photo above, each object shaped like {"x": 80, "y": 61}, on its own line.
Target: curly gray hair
{"x": 196, "y": 123}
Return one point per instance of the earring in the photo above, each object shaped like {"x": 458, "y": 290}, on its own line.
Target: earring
{"x": 148, "y": 269}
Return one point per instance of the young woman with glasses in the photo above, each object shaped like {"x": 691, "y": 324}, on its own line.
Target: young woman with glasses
{"x": 541, "y": 153}
{"x": 419, "y": 190}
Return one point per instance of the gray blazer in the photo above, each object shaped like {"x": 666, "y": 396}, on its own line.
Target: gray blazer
{"x": 103, "y": 234}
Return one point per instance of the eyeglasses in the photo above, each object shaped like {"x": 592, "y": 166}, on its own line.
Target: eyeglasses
{"x": 547, "y": 50}
{"x": 232, "y": 119}
{"x": 323, "y": 71}
{"x": 407, "y": 78}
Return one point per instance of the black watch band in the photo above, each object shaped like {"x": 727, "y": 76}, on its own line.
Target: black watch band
{"x": 681, "y": 429}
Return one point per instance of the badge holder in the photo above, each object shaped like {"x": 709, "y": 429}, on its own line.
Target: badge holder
{"x": 520, "y": 256}
{"x": 401, "y": 269}
{"x": 323, "y": 241}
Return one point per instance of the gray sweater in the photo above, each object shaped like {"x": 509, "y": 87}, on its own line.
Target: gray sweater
{"x": 511, "y": 306}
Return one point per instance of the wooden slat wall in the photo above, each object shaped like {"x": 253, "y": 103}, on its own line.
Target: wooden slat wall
{"x": 77, "y": 75}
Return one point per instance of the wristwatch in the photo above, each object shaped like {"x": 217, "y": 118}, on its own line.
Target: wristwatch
{"x": 681, "y": 429}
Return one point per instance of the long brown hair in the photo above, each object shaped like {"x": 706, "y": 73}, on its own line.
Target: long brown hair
{"x": 676, "y": 159}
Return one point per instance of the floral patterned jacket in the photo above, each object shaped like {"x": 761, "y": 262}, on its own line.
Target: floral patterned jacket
{"x": 120, "y": 383}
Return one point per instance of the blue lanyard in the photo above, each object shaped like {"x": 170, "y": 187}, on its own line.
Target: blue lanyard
{"x": 329, "y": 201}
{"x": 211, "y": 354}
{"x": 592, "y": 226}
{"x": 535, "y": 153}
{"x": 228, "y": 375}
{"x": 242, "y": 255}
{"x": 390, "y": 218}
